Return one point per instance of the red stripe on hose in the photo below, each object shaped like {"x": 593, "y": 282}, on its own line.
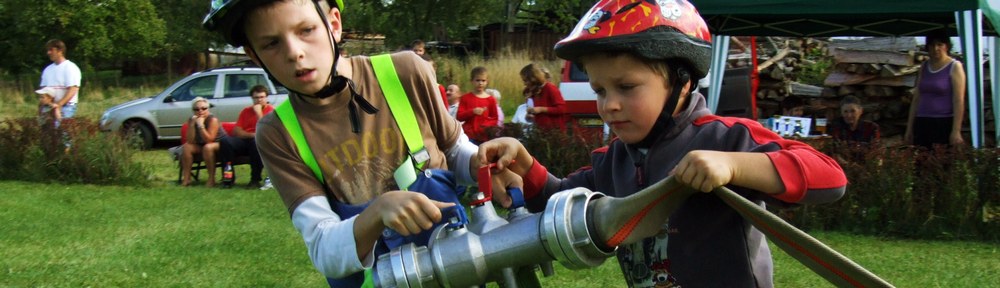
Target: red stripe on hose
{"x": 626, "y": 230}
{"x": 803, "y": 250}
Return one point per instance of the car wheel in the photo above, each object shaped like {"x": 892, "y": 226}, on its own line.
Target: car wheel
{"x": 138, "y": 134}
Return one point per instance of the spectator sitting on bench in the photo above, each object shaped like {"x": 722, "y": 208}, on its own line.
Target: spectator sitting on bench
{"x": 204, "y": 139}
{"x": 242, "y": 141}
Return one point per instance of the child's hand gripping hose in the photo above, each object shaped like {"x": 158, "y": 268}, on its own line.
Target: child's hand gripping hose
{"x": 579, "y": 229}
{"x": 669, "y": 194}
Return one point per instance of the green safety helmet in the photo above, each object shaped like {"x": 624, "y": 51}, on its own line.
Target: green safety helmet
{"x": 226, "y": 14}
{"x": 226, "y": 17}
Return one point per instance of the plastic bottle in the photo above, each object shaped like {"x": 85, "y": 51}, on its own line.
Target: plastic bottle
{"x": 798, "y": 129}
{"x": 773, "y": 122}
{"x": 227, "y": 175}
{"x": 786, "y": 130}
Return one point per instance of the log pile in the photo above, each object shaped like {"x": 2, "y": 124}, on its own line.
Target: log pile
{"x": 882, "y": 72}
{"x": 780, "y": 62}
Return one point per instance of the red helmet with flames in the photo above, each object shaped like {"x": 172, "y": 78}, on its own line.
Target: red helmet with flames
{"x": 652, "y": 29}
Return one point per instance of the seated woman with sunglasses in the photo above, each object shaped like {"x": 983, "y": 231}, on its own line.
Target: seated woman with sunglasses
{"x": 203, "y": 135}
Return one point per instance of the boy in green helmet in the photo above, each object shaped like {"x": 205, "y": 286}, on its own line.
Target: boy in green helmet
{"x": 351, "y": 202}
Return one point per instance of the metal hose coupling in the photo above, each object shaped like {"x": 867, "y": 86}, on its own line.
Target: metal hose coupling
{"x": 565, "y": 231}
{"x": 456, "y": 256}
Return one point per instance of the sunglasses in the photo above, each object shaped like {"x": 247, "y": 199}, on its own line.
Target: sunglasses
{"x": 196, "y": 109}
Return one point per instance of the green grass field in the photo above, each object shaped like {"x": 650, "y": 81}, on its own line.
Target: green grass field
{"x": 56, "y": 235}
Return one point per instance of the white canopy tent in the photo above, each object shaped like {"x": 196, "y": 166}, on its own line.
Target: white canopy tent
{"x": 801, "y": 18}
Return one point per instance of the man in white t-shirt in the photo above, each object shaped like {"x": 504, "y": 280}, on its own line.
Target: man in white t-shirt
{"x": 496, "y": 94}
{"x": 454, "y": 93}
{"x": 62, "y": 75}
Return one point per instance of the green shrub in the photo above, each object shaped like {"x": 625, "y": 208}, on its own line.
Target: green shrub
{"x": 907, "y": 192}
{"x": 562, "y": 152}
{"x": 75, "y": 152}
{"x": 814, "y": 73}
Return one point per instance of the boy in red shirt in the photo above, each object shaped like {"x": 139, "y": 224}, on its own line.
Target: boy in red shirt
{"x": 243, "y": 141}
{"x": 643, "y": 59}
{"x": 478, "y": 109}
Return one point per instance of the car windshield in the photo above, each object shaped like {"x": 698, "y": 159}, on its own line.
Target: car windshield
{"x": 202, "y": 86}
{"x": 238, "y": 85}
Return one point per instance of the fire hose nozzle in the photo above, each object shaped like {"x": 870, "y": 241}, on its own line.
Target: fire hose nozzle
{"x": 459, "y": 257}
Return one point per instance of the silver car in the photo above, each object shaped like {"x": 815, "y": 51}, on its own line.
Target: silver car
{"x": 160, "y": 117}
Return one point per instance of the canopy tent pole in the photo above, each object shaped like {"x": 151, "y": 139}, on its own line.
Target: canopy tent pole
{"x": 995, "y": 86}
{"x": 971, "y": 31}
{"x": 754, "y": 76}
{"x": 720, "y": 53}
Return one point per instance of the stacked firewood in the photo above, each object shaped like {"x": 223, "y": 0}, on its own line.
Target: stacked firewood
{"x": 780, "y": 61}
{"x": 881, "y": 72}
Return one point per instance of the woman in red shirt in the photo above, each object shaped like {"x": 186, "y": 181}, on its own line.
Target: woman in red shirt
{"x": 549, "y": 111}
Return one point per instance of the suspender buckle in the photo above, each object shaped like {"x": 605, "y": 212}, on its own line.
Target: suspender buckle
{"x": 421, "y": 156}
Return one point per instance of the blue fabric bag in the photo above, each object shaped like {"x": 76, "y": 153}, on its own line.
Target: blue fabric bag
{"x": 437, "y": 184}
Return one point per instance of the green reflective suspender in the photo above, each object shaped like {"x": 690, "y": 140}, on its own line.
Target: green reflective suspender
{"x": 402, "y": 111}
{"x": 287, "y": 116}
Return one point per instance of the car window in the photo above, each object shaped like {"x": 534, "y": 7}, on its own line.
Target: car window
{"x": 577, "y": 75}
{"x": 201, "y": 86}
{"x": 238, "y": 85}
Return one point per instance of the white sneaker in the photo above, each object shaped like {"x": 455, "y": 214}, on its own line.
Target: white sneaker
{"x": 267, "y": 184}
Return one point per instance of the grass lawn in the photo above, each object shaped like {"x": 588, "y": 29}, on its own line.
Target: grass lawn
{"x": 165, "y": 235}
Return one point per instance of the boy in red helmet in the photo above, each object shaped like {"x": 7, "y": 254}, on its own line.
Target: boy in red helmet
{"x": 342, "y": 174}
{"x": 641, "y": 57}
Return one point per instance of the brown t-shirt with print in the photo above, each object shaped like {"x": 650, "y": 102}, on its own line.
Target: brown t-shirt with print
{"x": 357, "y": 166}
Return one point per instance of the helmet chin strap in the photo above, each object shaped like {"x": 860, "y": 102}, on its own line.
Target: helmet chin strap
{"x": 336, "y": 83}
{"x": 666, "y": 118}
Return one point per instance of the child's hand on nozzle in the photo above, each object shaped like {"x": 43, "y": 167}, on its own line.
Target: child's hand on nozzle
{"x": 501, "y": 181}
{"x": 705, "y": 170}
{"x": 408, "y": 212}
{"x": 507, "y": 153}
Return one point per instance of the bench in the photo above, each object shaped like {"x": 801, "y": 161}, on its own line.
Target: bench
{"x": 199, "y": 164}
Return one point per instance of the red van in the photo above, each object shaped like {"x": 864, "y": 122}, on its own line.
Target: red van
{"x": 581, "y": 103}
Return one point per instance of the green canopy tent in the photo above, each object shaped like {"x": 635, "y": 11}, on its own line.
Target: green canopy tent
{"x": 801, "y": 18}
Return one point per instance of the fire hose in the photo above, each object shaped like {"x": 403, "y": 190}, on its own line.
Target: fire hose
{"x": 492, "y": 249}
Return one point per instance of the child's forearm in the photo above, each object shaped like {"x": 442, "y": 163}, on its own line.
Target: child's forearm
{"x": 757, "y": 172}
{"x": 803, "y": 171}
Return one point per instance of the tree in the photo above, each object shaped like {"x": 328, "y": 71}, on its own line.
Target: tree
{"x": 184, "y": 33}
{"x": 558, "y": 15}
{"x": 98, "y": 33}
{"x": 402, "y": 21}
